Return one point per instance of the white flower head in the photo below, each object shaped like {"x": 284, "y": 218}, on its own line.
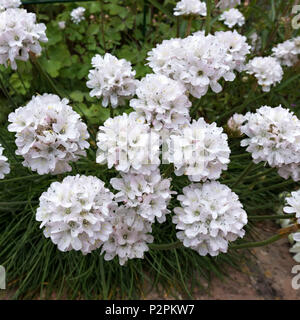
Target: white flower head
{"x": 49, "y": 134}
{"x": 7, "y": 4}
{"x": 148, "y": 194}
{"x": 112, "y": 79}
{"x": 4, "y": 165}
{"x": 200, "y": 61}
{"x": 162, "y": 101}
{"x": 190, "y": 7}
{"x": 126, "y": 142}
{"x": 77, "y": 15}
{"x": 227, "y": 4}
{"x": 76, "y": 213}
{"x": 199, "y": 150}
{"x": 291, "y": 170}
{"x": 210, "y": 216}
{"x": 273, "y": 136}
{"x": 287, "y": 52}
{"x": 232, "y": 17}
{"x": 267, "y": 71}
{"x": 130, "y": 236}
{"x": 19, "y": 36}
{"x": 293, "y": 205}
{"x": 62, "y": 25}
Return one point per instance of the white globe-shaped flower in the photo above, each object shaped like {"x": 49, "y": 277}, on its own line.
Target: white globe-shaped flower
{"x": 190, "y": 7}
{"x": 127, "y": 143}
{"x": 19, "y": 35}
{"x": 227, "y": 4}
{"x": 76, "y": 212}
{"x": 77, "y": 15}
{"x": 130, "y": 236}
{"x": 293, "y": 205}
{"x": 148, "y": 194}
{"x": 162, "y": 101}
{"x": 200, "y": 61}
{"x": 273, "y": 136}
{"x": 112, "y": 79}
{"x": 287, "y": 52}
{"x": 210, "y": 216}
{"x": 7, "y": 4}
{"x": 49, "y": 134}
{"x": 232, "y": 17}
{"x": 199, "y": 150}
{"x": 267, "y": 71}
{"x": 4, "y": 165}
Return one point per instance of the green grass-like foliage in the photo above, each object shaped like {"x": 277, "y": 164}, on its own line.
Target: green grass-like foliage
{"x": 128, "y": 29}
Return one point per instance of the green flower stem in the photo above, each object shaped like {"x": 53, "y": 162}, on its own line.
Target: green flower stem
{"x": 272, "y": 217}
{"x": 275, "y": 186}
{"x": 6, "y": 93}
{"x": 20, "y": 178}
{"x": 208, "y": 16}
{"x": 189, "y": 26}
{"x": 244, "y": 174}
{"x": 239, "y": 156}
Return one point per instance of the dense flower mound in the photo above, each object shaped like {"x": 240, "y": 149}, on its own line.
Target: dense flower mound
{"x": 287, "y": 52}
{"x": 77, "y": 15}
{"x": 112, "y": 79}
{"x": 7, "y": 4}
{"x": 293, "y": 206}
{"x": 267, "y": 71}
{"x": 4, "y": 165}
{"x": 199, "y": 150}
{"x": 273, "y": 136}
{"x": 225, "y": 4}
{"x": 19, "y": 35}
{"x": 49, "y": 134}
{"x": 210, "y": 216}
{"x": 190, "y": 7}
{"x": 126, "y": 142}
{"x": 162, "y": 101}
{"x": 130, "y": 236}
{"x": 232, "y": 17}
{"x": 200, "y": 61}
{"x": 149, "y": 194}
{"x": 75, "y": 213}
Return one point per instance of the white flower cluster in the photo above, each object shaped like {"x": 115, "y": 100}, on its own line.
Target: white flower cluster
{"x": 273, "y": 136}
{"x": 162, "y": 101}
{"x": 76, "y": 212}
{"x": 49, "y": 134}
{"x": 7, "y": 4}
{"x": 293, "y": 205}
{"x": 267, "y": 70}
{"x": 4, "y": 165}
{"x": 199, "y": 150}
{"x": 210, "y": 216}
{"x": 225, "y": 4}
{"x": 287, "y": 52}
{"x": 148, "y": 194}
{"x": 62, "y": 25}
{"x": 112, "y": 79}
{"x": 130, "y": 236}
{"x": 232, "y": 17}
{"x": 77, "y": 15}
{"x": 19, "y": 35}
{"x": 127, "y": 143}
{"x": 190, "y": 7}
{"x": 234, "y": 123}
{"x": 200, "y": 61}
